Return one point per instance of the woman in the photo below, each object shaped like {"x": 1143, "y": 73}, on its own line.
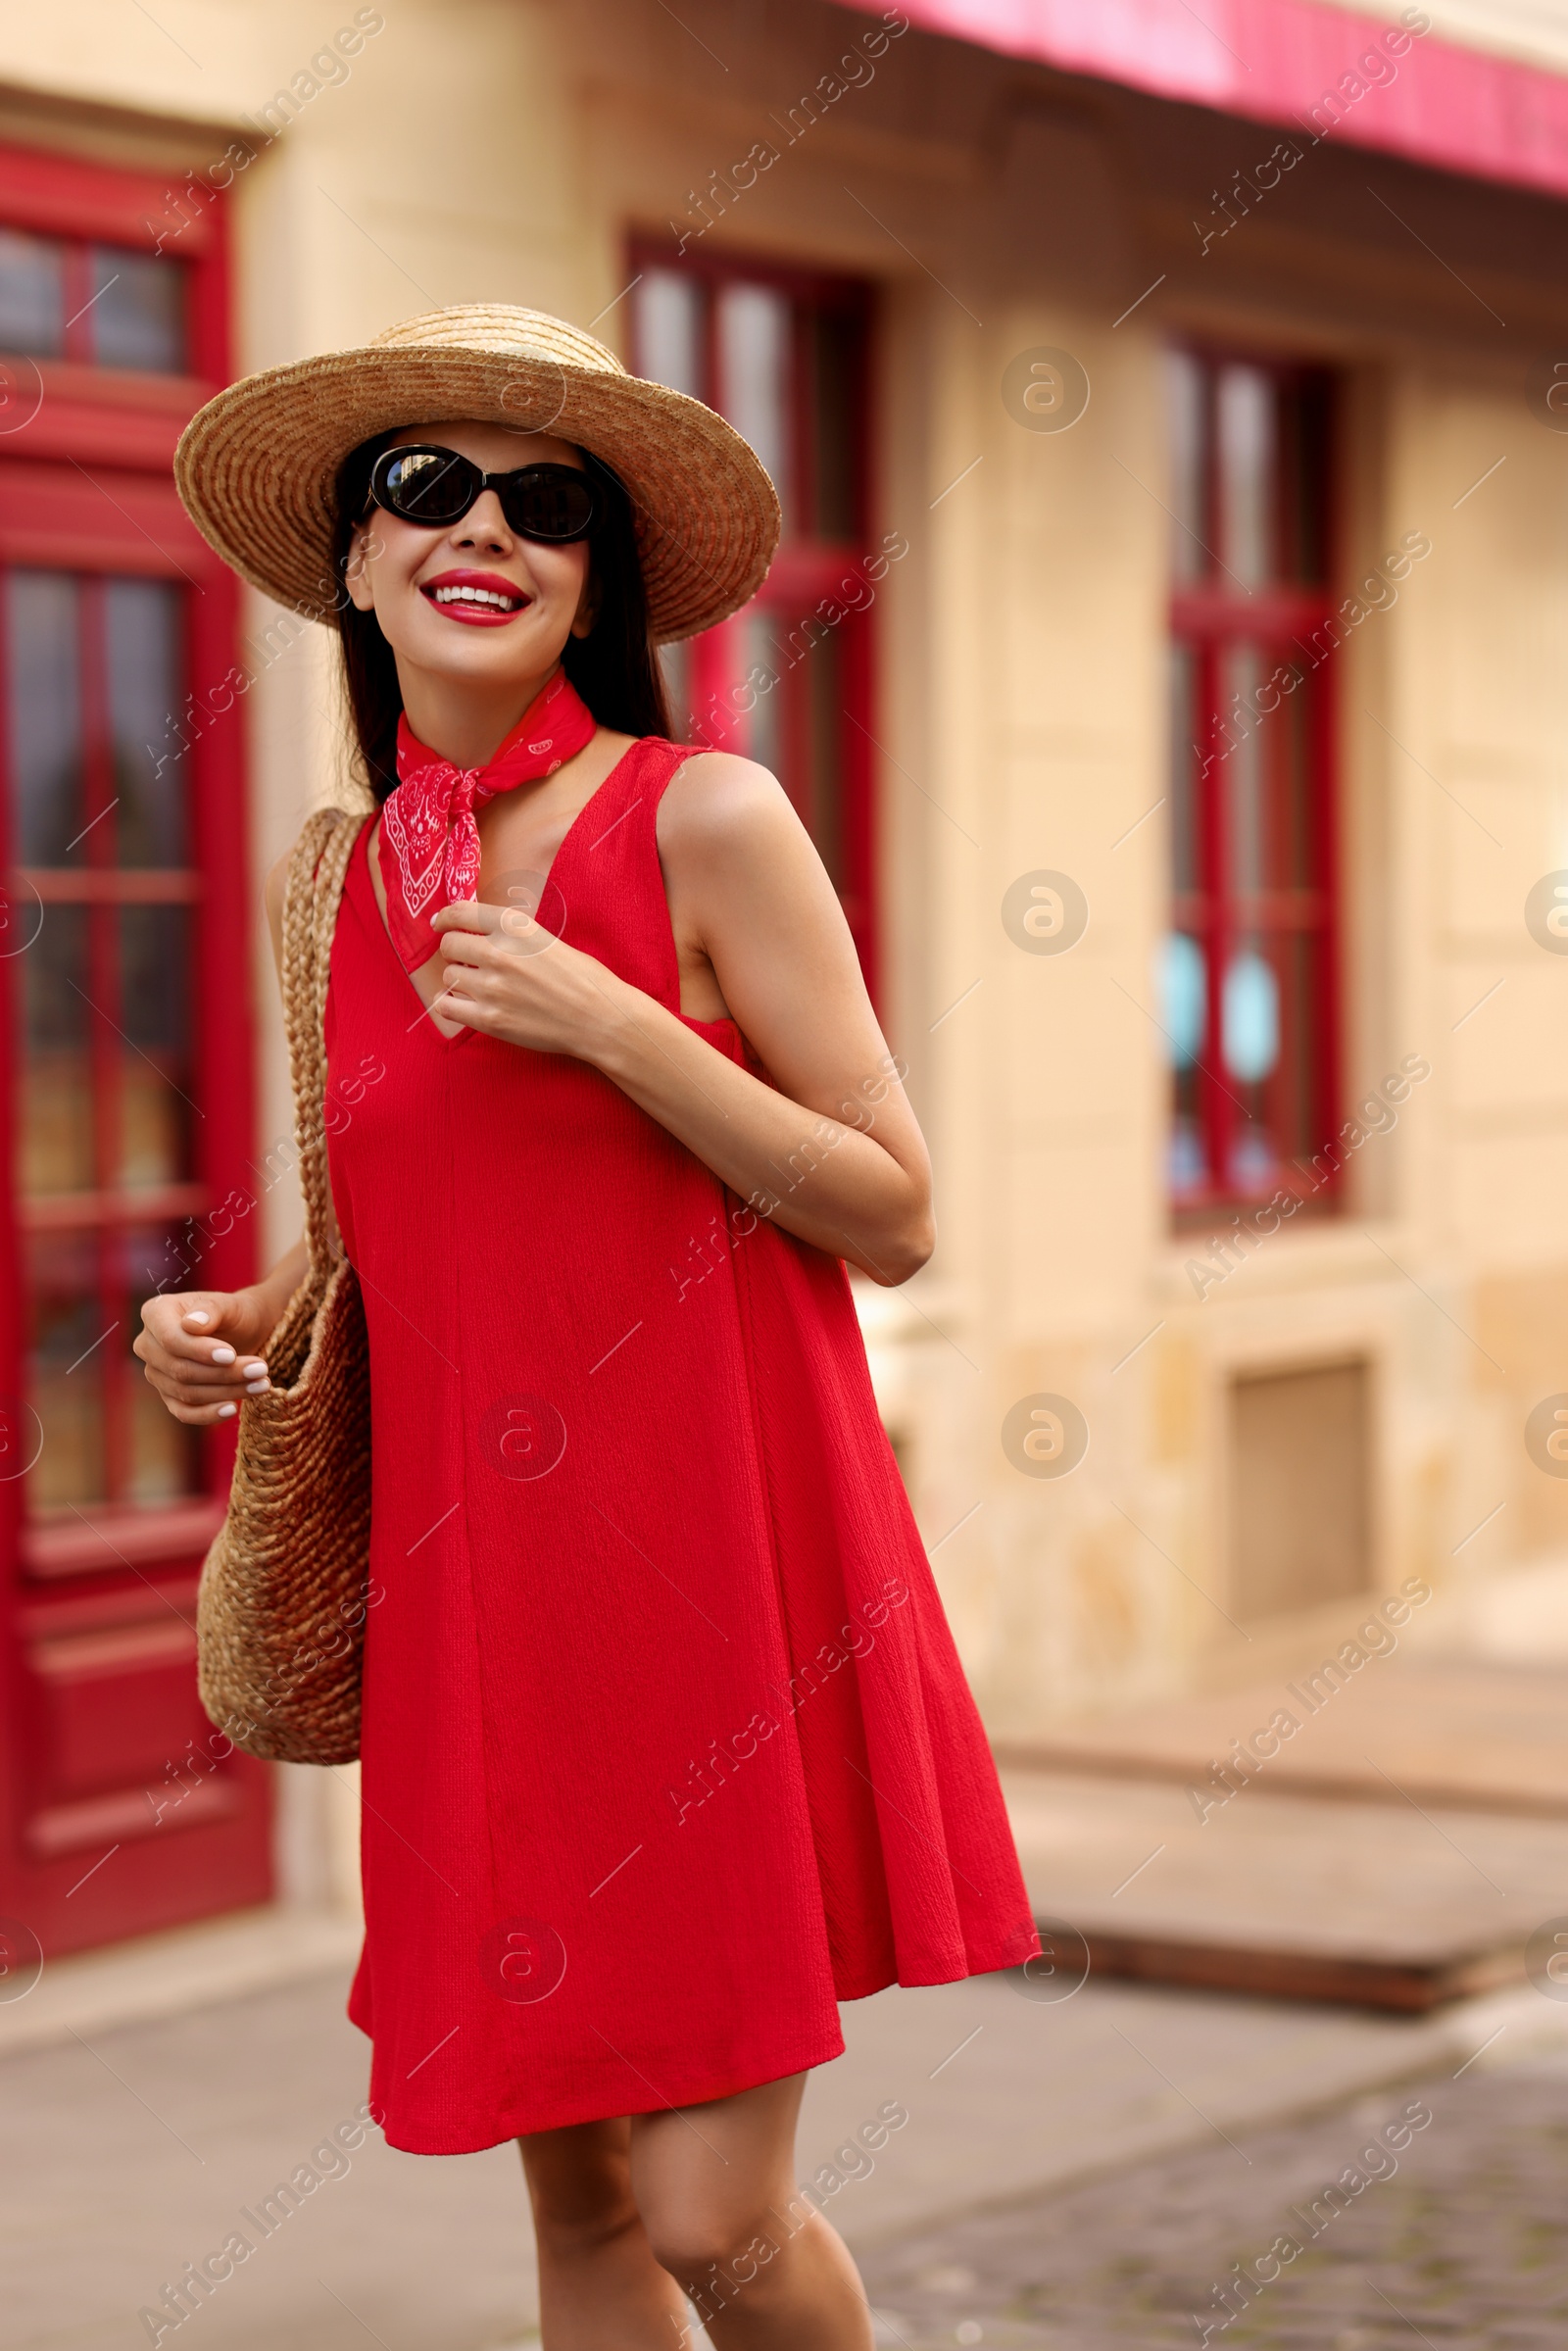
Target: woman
{"x": 667, "y": 1749}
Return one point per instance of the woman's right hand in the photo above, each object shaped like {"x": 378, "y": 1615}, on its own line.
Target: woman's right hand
{"x": 202, "y": 1349}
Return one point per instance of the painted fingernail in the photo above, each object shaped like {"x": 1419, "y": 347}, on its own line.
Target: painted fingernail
{"x": 254, "y": 1371}
{"x": 258, "y": 1387}
{"x": 226, "y": 1412}
{"x": 223, "y": 1354}
{"x": 196, "y": 1314}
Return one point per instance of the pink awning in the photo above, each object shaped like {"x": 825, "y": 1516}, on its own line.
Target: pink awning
{"x": 1294, "y": 63}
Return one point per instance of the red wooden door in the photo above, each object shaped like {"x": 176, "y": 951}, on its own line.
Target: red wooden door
{"x": 124, "y": 1062}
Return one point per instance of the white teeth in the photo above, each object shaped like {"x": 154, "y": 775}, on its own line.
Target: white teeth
{"x": 502, "y": 604}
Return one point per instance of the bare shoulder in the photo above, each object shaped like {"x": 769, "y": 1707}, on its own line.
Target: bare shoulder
{"x": 744, "y": 879}
{"x": 719, "y": 806}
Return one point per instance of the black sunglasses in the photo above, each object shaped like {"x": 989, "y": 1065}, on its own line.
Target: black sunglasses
{"x": 434, "y": 487}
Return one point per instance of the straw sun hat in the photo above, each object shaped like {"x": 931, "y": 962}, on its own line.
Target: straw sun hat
{"x": 257, "y": 467}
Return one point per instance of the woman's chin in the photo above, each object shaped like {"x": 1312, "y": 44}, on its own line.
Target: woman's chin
{"x": 520, "y": 648}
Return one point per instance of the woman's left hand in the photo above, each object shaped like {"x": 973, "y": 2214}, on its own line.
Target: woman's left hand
{"x": 508, "y": 977}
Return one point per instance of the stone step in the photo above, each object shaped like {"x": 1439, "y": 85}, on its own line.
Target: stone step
{"x": 1388, "y": 1905}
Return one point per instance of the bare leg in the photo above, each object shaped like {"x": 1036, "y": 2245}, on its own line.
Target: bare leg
{"x": 600, "y": 2286}
{"x": 714, "y": 2185}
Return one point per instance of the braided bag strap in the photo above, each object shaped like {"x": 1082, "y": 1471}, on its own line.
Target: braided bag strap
{"x": 292, "y": 1556}
{"x": 311, "y": 901}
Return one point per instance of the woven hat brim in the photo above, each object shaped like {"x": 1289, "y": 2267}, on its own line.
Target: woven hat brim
{"x": 257, "y": 468}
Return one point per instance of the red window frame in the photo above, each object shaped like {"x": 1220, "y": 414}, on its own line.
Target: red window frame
{"x": 811, "y": 576}
{"x": 96, "y": 1606}
{"x": 1289, "y": 729}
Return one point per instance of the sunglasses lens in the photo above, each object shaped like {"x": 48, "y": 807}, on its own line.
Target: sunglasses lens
{"x": 548, "y": 501}
{"x": 436, "y": 486}
{"x": 426, "y": 485}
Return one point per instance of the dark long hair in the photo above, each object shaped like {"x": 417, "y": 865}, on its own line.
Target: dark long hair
{"x": 615, "y": 668}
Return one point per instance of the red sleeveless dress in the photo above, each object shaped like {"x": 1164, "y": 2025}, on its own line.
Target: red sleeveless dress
{"x": 666, "y": 1747}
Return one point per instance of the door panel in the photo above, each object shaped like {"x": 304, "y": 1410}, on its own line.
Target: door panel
{"x": 125, "y": 1097}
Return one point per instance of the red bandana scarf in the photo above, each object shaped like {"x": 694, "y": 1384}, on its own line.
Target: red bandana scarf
{"x": 429, "y": 844}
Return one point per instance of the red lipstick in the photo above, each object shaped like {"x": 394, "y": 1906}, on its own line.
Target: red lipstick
{"x": 476, "y": 599}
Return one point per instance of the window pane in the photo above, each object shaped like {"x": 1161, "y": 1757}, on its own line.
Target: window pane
{"x": 1244, "y": 973}
{"x": 1185, "y": 754}
{"x": 67, "y": 1370}
{"x": 32, "y": 294}
{"x": 754, "y": 362}
{"x": 1291, "y": 750}
{"x": 1245, "y": 773}
{"x": 165, "y": 1460}
{"x": 1183, "y": 398}
{"x": 45, "y": 699}
{"x": 669, "y": 347}
{"x": 794, "y": 726}
{"x": 834, "y": 351}
{"x": 762, "y": 659}
{"x": 142, "y": 623}
{"x": 823, "y": 788}
{"x": 1297, "y": 1092}
{"x": 56, "y": 1140}
{"x": 787, "y": 369}
{"x": 1245, "y": 421}
{"x": 1184, "y": 1017}
{"x": 155, "y": 1072}
{"x": 1249, "y": 1028}
{"x": 138, "y": 310}
{"x": 1303, "y": 472}
{"x": 1251, "y": 1015}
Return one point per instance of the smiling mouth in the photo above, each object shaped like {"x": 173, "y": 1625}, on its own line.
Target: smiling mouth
{"x": 461, "y": 601}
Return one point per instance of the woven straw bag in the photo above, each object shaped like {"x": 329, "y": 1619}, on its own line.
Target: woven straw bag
{"x": 280, "y": 1609}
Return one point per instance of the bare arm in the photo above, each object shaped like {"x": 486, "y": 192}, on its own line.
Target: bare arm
{"x": 831, "y": 1150}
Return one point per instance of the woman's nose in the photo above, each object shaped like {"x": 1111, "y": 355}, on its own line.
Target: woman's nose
{"x": 484, "y": 526}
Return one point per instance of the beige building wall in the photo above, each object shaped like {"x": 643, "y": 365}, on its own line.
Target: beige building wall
{"x": 1534, "y": 31}
{"x": 498, "y": 150}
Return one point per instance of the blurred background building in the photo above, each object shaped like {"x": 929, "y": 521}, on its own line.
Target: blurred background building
{"x": 1167, "y": 651}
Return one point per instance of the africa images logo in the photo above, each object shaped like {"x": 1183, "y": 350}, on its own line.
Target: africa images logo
{"x": 1045, "y": 1436}
{"x": 524, "y": 1437}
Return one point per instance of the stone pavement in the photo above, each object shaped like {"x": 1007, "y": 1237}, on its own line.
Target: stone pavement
{"x": 127, "y": 2153}
{"x": 1436, "y": 2212}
